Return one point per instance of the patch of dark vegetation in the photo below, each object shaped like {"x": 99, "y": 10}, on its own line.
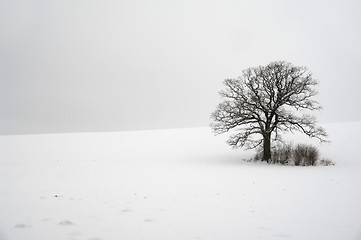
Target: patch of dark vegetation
{"x": 305, "y": 155}
{"x": 326, "y": 162}
{"x": 299, "y": 155}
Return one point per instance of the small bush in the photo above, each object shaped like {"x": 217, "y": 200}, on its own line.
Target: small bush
{"x": 326, "y": 162}
{"x": 282, "y": 153}
{"x": 259, "y": 154}
{"x": 305, "y": 155}
{"x": 301, "y": 155}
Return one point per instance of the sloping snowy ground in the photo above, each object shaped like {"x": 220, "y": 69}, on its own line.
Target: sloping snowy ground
{"x": 173, "y": 184}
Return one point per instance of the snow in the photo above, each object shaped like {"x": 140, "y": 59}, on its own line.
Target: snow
{"x": 173, "y": 184}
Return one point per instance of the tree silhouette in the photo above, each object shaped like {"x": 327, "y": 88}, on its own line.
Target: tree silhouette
{"x": 265, "y": 101}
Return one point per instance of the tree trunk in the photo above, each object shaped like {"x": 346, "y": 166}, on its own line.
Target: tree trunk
{"x": 267, "y": 147}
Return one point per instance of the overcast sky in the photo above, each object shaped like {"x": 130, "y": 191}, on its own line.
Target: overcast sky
{"x": 127, "y": 65}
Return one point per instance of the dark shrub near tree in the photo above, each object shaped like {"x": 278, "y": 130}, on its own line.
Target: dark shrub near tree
{"x": 305, "y": 155}
{"x": 299, "y": 155}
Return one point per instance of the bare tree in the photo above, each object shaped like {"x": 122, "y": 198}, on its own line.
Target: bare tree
{"x": 266, "y": 100}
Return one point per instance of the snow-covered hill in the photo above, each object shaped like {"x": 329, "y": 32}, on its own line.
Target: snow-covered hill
{"x": 173, "y": 184}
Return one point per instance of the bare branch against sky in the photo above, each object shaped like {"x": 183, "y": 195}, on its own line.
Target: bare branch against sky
{"x": 122, "y": 65}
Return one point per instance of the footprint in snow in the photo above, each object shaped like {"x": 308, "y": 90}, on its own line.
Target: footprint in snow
{"x": 126, "y": 210}
{"x": 46, "y": 219}
{"x": 265, "y": 228}
{"x": 75, "y": 234}
{"x": 21, "y": 225}
{"x": 148, "y": 220}
{"x": 281, "y": 235}
{"x": 66, "y": 223}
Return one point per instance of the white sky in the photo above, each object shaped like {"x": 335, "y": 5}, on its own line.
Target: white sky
{"x": 126, "y": 65}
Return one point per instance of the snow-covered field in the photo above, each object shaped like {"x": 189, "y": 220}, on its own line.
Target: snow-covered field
{"x": 173, "y": 184}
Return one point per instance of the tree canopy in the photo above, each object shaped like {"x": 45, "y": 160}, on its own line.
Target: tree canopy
{"x": 266, "y": 101}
